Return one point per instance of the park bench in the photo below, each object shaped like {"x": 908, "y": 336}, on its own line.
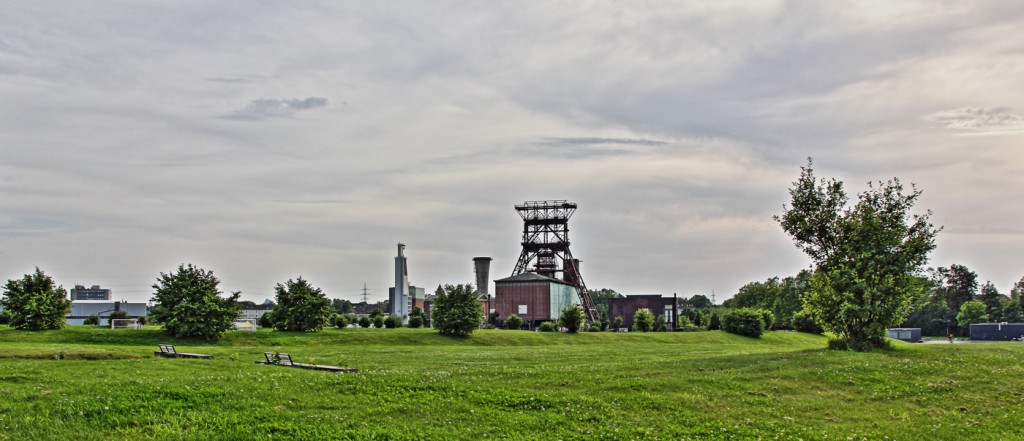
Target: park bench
{"x": 285, "y": 359}
{"x": 169, "y": 352}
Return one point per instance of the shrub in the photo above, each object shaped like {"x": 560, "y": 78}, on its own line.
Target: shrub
{"x": 846, "y": 344}
{"x": 547, "y": 327}
{"x": 301, "y": 307}
{"x": 748, "y": 322}
{"x": 143, "y": 320}
{"x": 617, "y": 322}
{"x": 768, "y": 318}
{"x": 364, "y": 322}
{"x": 377, "y": 312}
{"x": 605, "y": 324}
{"x": 341, "y": 321}
{"x": 34, "y": 302}
{"x": 378, "y": 321}
{"x": 415, "y": 321}
{"x": 803, "y": 322}
{"x": 594, "y": 328}
{"x": 265, "y": 321}
{"x": 643, "y": 320}
{"x": 715, "y": 322}
{"x": 659, "y": 323}
{"x": 456, "y": 311}
{"x": 513, "y": 322}
{"x": 392, "y": 321}
{"x": 116, "y": 315}
{"x": 188, "y": 304}
{"x": 92, "y": 319}
{"x": 572, "y": 318}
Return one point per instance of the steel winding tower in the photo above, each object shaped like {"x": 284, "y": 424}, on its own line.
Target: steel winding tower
{"x": 546, "y": 239}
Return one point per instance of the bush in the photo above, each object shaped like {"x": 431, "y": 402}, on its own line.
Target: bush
{"x": 34, "y": 302}
{"x": 594, "y": 327}
{"x": 572, "y": 318}
{"x": 392, "y": 321}
{"x": 341, "y": 321}
{"x": 617, "y": 322}
{"x": 188, "y": 304}
{"x": 456, "y": 311}
{"x": 604, "y": 324}
{"x": 659, "y": 323}
{"x": 715, "y": 322}
{"x": 301, "y": 307}
{"x": 547, "y": 327}
{"x": 92, "y": 319}
{"x": 748, "y": 322}
{"x": 841, "y": 344}
{"x": 5, "y": 317}
{"x": 768, "y": 318}
{"x": 265, "y": 321}
{"x": 513, "y": 322}
{"x": 116, "y": 315}
{"x": 415, "y": 321}
{"x": 143, "y": 320}
{"x": 803, "y": 322}
{"x": 378, "y": 321}
{"x": 377, "y": 312}
{"x": 364, "y": 322}
{"x": 643, "y": 320}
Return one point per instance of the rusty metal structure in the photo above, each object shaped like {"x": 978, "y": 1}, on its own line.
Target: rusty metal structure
{"x": 546, "y": 240}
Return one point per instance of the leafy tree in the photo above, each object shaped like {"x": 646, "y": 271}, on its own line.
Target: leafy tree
{"x": 364, "y": 322}
{"x": 187, "y": 303}
{"x": 116, "y": 315}
{"x": 513, "y": 322}
{"x": 301, "y": 307}
{"x": 377, "y": 312}
{"x": 643, "y": 320}
{"x": 744, "y": 321}
{"x": 803, "y": 322}
{"x": 767, "y": 317}
{"x": 572, "y": 318}
{"x": 34, "y": 302}
{"x": 5, "y": 318}
{"x": 715, "y": 322}
{"x": 602, "y": 299}
{"x": 659, "y": 323}
{"x": 865, "y": 255}
{"x": 265, "y": 321}
{"x": 971, "y": 312}
{"x": 143, "y": 320}
{"x": 416, "y": 317}
{"x": 1012, "y": 311}
{"x": 700, "y": 301}
{"x": 933, "y": 316}
{"x": 1018, "y": 289}
{"x": 392, "y": 321}
{"x": 341, "y": 306}
{"x": 456, "y": 311}
{"x": 993, "y": 300}
{"x": 956, "y": 284}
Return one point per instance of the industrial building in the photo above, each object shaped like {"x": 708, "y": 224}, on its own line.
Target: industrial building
{"x": 80, "y": 292}
{"x": 533, "y": 297}
{"x": 997, "y": 331}
{"x": 627, "y": 306}
{"x": 82, "y": 309}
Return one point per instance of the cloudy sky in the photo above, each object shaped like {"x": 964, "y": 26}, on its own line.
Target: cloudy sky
{"x": 267, "y": 140}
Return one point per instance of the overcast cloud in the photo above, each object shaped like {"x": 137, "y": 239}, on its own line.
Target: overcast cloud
{"x": 267, "y": 140}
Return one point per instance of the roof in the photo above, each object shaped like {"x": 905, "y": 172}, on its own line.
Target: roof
{"x": 530, "y": 277}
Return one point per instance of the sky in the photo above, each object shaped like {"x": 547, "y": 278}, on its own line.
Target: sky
{"x": 266, "y": 140}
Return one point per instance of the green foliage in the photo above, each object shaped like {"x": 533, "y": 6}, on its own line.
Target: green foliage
{"x": 35, "y": 303}
{"x": 803, "y": 322}
{"x": 492, "y": 319}
{"x": 143, "y": 320}
{"x": 341, "y": 321}
{"x": 342, "y": 306}
{"x": 392, "y": 321}
{"x": 301, "y": 307}
{"x": 715, "y": 321}
{"x": 659, "y": 323}
{"x": 92, "y": 319}
{"x": 513, "y": 322}
{"x": 187, "y": 304}
{"x": 547, "y": 327}
{"x": 617, "y": 322}
{"x": 643, "y": 320}
{"x": 5, "y": 318}
{"x": 971, "y": 312}
{"x": 265, "y": 320}
{"x": 767, "y": 317}
{"x": 116, "y": 315}
{"x": 931, "y": 315}
{"x": 572, "y": 318}
{"x": 956, "y": 284}
{"x": 865, "y": 256}
{"x": 781, "y": 297}
{"x": 699, "y": 301}
{"x": 364, "y": 322}
{"x": 416, "y": 317}
{"x": 377, "y": 312}
{"x": 744, "y": 321}
{"x": 378, "y": 321}
{"x": 456, "y": 311}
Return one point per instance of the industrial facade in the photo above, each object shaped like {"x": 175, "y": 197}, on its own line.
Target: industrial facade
{"x": 82, "y": 309}
{"x": 80, "y": 292}
{"x": 627, "y": 306}
{"x": 533, "y": 297}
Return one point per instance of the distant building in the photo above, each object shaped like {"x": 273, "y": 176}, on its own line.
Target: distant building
{"x": 532, "y": 297}
{"x": 627, "y": 306}
{"x": 81, "y": 309}
{"x": 254, "y": 312}
{"x": 80, "y": 292}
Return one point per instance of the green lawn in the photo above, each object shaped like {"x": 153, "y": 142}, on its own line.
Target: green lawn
{"x": 415, "y": 384}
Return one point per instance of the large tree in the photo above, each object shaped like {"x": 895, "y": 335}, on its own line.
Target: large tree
{"x": 301, "y": 307}
{"x": 456, "y": 311}
{"x": 957, "y": 284}
{"x": 865, "y": 256}
{"x": 34, "y": 302}
{"x": 187, "y": 303}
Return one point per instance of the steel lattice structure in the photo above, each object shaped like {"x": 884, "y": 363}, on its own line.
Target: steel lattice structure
{"x": 546, "y": 240}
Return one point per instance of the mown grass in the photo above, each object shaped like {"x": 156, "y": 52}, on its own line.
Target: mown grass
{"x": 416, "y": 384}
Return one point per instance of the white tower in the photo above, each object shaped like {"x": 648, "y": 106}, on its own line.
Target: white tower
{"x": 399, "y": 301}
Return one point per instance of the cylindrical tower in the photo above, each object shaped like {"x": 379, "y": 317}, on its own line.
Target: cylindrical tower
{"x": 482, "y": 267}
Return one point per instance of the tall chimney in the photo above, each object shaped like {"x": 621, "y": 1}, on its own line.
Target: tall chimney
{"x": 482, "y": 267}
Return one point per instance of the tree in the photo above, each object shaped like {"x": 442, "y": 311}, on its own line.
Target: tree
{"x": 35, "y": 303}
{"x": 416, "y": 317}
{"x": 957, "y": 284}
{"x": 700, "y": 301}
{"x": 1018, "y": 289}
{"x": 933, "y": 316}
{"x": 993, "y": 300}
{"x": 513, "y": 322}
{"x": 744, "y": 321}
{"x": 643, "y": 320}
{"x": 456, "y": 311}
{"x": 602, "y": 298}
{"x": 865, "y": 256}
{"x": 341, "y": 306}
{"x": 115, "y": 316}
{"x": 971, "y": 312}
{"x": 301, "y": 307}
{"x": 187, "y": 303}
{"x": 573, "y": 318}
{"x": 341, "y": 321}
{"x": 92, "y": 319}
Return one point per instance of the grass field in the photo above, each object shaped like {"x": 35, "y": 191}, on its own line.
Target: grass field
{"x": 415, "y": 384}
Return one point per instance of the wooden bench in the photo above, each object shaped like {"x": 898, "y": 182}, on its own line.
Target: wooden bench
{"x": 285, "y": 359}
{"x": 168, "y": 351}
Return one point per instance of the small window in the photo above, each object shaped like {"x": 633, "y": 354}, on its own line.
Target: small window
{"x": 522, "y": 309}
